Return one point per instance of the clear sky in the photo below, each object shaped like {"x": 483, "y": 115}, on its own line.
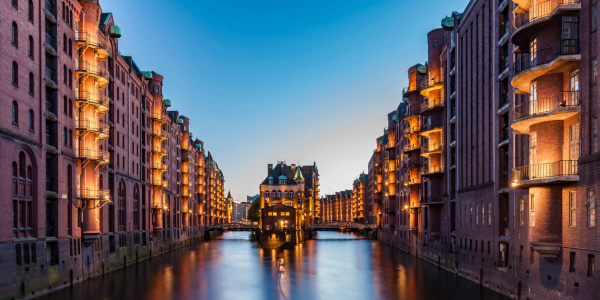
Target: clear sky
{"x": 295, "y": 80}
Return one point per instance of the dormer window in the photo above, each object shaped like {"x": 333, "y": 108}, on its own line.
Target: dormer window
{"x": 270, "y": 181}
{"x": 282, "y": 181}
{"x": 291, "y": 194}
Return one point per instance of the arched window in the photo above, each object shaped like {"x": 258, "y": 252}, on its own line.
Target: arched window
{"x": 22, "y": 165}
{"x": 70, "y": 78}
{"x": 70, "y": 138}
{"x": 15, "y": 113}
{"x": 30, "y": 49}
{"x": 15, "y": 34}
{"x": 70, "y": 108}
{"x": 64, "y": 11}
{"x": 291, "y": 194}
{"x": 65, "y": 74}
{"x": 65, "y": 43}
{"x": 121, "y": 205}
{"x": 31, "y": 11}
{"x": 118, "y": 161}
{"x": 15, "y": 3}
{"x": 15, "y": 74}
{"x": 70, "y": 47}
{"x": 279, "y": 194}
{"x": 66, "y": 106}
{"x": 31, "y": 120}
{"x": 136, "y": 203}
{"x": 66, "y": 137}
{"x": 15, "y": 170}
{"x": 31, "y": 84}
{"x": 267, "y": 194}
{"x": 70, "y": 198}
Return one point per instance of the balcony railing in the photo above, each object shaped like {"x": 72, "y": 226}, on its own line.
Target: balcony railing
{"x": 410, "y": 130}
{"x": 546, "y": 170}
{"x": 50, "y": 74}
{"x": 95, "y": 99}
{"x": 430, "y": 81}
{"x": 159, "y": 150}
{"x": 411, "y": 147}
{"x": 503, "y": 134}
{"x": 159, "y": 133}
{"x": 92, "y": 126}
{"x": 96, "y": 40}
{"x": 158, "y": 166}
{"x": 432, "y": 170}
{"x": 50, "y": 7}
{"x": 92, "y": 154}
{"x": 545, "y": 105}
{"x": 545, "y": 56}
{"x": 433, "y": 124}
{"x": 432, "y": 103}
{"x": 432, "y": 147}
{"x": 410, "y": 181}
{"x": 94, "y": 68}
{"x": 50, "y": 41}
{"x": 158, "y": 117}
{"x": 540, "y": 10}
{"x": 431, "y": 200}
{"x": 92, "y": 193}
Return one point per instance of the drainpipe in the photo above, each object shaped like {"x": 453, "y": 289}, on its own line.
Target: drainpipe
{"x": 129, "y": 137}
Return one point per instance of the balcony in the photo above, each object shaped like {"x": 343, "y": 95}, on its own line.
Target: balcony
{"x": 159, "y": 167}
{"x": 94, "y": 41}
{"x": 410, "y": 164}
{"x": 159, "y": 182}
{"x": 100, "y": 102}
{"x": 411, "y": 147}
{"x": 411, "y": 181}
{"x": 432, "y": 105}
{"x": 433, "y": 126}
{"x": 412, "y": 113}
{"x": 530, "y": 19}
{"x": 99, "y": 156}
{"x": 411, "y": 130}
{"x": 558, "y": 58}
{"x": 159, "y": 134}
{"x": 159, "y": 117}
{"x": 561, "y": 106}
{"x": 432, "y": 148}
{"x": 433, "y": 170}
{"x": 50, "y": 45}
{"x": 100, "y": 129}
{"x": 94, "y": 70}
{"x": 431, "y": 83}
{"x": 431, "y": 200}
{"x": 562, "y": 171}
{"x": 92, "y": 194}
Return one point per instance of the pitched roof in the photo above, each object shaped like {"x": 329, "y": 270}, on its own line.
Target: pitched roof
{"x": 281, "y": 172}
{"x": 298, "y": 175}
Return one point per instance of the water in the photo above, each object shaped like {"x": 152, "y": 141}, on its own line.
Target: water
{"x": 334, "y": 266}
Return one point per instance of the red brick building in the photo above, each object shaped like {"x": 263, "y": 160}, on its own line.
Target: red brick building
{"x": 101, "y": 172}
{"x": 496, "y": 150}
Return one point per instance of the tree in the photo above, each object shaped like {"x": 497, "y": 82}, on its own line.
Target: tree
{"x": 254, "y": 211}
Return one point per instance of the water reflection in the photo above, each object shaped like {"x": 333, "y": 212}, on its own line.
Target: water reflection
{"x": 334, "y": 266}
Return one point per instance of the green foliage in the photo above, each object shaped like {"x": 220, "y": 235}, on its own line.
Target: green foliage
{"x": 254, "y": 211}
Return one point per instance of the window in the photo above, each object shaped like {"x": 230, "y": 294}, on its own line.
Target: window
{"x": 15, "y": 113}
{"x": 522, "y": 212}
{"x": 65, "y": 43}
{"x": 591, "y": 262}
{"x": 70, "y": 79}
{"x": 531, "y": 256}
{"x": 591, "y": 208}
{"x": 66, "y": 137}
{"x": 15, "y": 3}
{"x": 571, "y": 262}
{"x": 31, "y": 11}
{"x": 31, "y": 120}
{"x": 594, "y": 141}
{"x": 31, "y": 84}
{"x": 30, "y": 49}
{"x": 520, "y": 253}
{"x": 70, "y": 139}
{"x": 70, "y": 108}
{"x": 572, "y": 208}
{"x": 70, "y": 48}
{"x": 532, "y": 211}
{"x": 594, "y": 70}
{"x": 15, "y": 34}
{"x": 64, "y": 74}
{"x": 15, "y": 74}
{"x": 66, "y": 106}
{"x": 292, "y": 194}
{"x": 595, "y": 17}
{"x": 476, "y": 215}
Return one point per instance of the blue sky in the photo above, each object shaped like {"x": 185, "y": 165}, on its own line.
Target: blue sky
{"x": 268, "y": 80}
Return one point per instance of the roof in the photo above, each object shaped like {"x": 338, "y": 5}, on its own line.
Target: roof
{"x": 298, "y": 175}
{"x": 104, "y": 17}
{"x": 282, "y": 172}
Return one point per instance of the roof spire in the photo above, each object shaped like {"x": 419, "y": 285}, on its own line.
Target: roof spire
{"x": 229, "y": 195}
{"x": 298, "y": 175}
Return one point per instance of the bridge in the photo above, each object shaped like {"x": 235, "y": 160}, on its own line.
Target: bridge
{"x": 232, "y": 227}
{"x": 342, "y": 226}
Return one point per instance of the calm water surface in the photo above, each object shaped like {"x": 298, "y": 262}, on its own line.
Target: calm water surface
{"x": 334, "y": 266}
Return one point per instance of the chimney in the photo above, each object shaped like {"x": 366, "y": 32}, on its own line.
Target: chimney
{"x": 270, "y": 169}
{"x": 294, "y": 168}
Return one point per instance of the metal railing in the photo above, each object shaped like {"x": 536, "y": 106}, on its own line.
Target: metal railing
{"x": 432, "y": 124}
{"x": 430, "y": 81}
{"x": 50, "y": 40}
{"x": 92, "y": 193}
{"x": 92, "y": 154}
{"x": 159, "y": 133}
{"x": 157, "y": 116}
{"x": 411, "y": 147}
{"x": 95, "y": 99}
{"x": 545, "y": 105}
{"x": 96, "y": 40}
{"x": 95, "y": 69}
{"x": 432, "y": 147}
{"x": 413, "y": 129}
{"x": 50, "y": 74}
{"x": 410, "y": 181}
{"x": 432, "y": 103}
{"x": 540, "y": 10}
{"x": 545, "y": 56}
{"x": 160, "y": 150}
{"x": 432, "y": 170}
{"x": 50, "y": 7}
{"x": 504, "y": 134}
{"x": 92, "y": 126}
{"x": 546, "y": 170}
{"x": 158, "y": 166}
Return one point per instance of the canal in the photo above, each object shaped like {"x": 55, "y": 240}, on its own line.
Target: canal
{"x": 333, "y": 266}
